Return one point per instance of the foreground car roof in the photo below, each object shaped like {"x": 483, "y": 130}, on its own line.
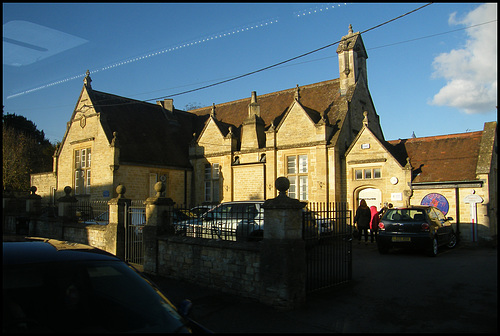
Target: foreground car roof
{"x": 38, "y": 250}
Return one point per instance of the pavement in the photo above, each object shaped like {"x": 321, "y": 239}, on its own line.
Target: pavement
{"x": 403, "y": 291}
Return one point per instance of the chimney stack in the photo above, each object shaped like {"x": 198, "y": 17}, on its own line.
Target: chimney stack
{"x": 167, "y": 104}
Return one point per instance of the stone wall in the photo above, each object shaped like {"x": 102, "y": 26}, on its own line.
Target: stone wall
{"x": 55, "y": 228}
{"x": 272, "y": 271}
{"x": 229, "y": 266}
{"x": 45, "y": 182}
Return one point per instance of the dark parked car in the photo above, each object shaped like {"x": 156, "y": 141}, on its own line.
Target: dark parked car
{"x": 422, "y": 227}
{"x": 57, "y": 286}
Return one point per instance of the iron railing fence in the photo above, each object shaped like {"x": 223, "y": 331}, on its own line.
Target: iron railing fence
{"x": 15, "y": 206}
{"x": 323, "y": 220}
{"x": 135, "y": 220}
{"x": 237, "y": 222}
{"x": 92, "y": 212}
{"x": 49, "y": 209}
{"x": 245, "y": 221}
{"x": 328, "y": 252}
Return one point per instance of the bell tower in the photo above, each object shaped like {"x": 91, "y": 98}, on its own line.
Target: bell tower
{"x": 352, "y": 60}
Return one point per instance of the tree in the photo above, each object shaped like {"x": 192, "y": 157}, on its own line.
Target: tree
{"x": 25, "y": 151}
{"x": 192, "y": 106}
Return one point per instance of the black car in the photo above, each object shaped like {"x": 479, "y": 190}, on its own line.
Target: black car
{"x": 423, "y": 227}
{"x": 58, "y": 286}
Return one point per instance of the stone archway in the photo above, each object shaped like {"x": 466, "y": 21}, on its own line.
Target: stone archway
{"x": 372, "y": 196}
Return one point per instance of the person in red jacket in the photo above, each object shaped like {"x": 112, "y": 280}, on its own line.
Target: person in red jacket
{"x": 375, "y": 220}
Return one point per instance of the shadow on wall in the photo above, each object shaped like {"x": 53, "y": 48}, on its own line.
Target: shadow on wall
{"x": 474, "y": 233}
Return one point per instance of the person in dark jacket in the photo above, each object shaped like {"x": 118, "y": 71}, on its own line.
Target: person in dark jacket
{"x": 363, "y": 218}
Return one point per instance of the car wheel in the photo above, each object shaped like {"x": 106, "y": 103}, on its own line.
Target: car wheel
{"x": 433, "y": 248}
{"x": 453, "y": 241}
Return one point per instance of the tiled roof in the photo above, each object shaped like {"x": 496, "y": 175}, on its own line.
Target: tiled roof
{"x": 440, "y": 158}
{"x": 318, "y": 99}
{"x": 144, "y": 128}
{"x": 146, "y": 133}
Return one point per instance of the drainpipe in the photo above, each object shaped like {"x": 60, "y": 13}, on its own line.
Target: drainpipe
{"x": 457, "y": 211}
{"x": 185, "y": 187}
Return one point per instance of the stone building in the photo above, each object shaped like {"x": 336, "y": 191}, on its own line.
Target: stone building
{"x": 301, "y": 133}
{"x": 112, "y": 140}
{"x": 321, "y": 136}
{"x": 456, "y": 173}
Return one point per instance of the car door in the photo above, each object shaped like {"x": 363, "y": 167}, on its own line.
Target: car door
{"x": 434, "y": 222}
{"x": 446, "y": 227}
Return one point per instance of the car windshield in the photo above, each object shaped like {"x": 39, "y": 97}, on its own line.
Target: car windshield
{"x": 91, "y": 296}
{"x": 404, "y": 215}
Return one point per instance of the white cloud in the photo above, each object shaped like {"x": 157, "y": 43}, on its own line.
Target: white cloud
{"x": 471, "y": 72}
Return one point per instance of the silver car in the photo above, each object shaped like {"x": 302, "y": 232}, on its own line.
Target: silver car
{"x": 243, "y": 220}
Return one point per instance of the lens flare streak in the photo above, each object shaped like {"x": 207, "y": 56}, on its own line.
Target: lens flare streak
{"x": 260, "y": 24}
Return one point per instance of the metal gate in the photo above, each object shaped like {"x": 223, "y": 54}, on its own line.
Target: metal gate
{"x": 328, "y": 234}
{"x": 135, "y": 220}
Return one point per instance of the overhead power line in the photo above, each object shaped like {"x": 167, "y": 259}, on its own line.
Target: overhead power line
{"x": 288, "y": 60}
{"x": 328, "y": 57}
{"x": 270, "y": 66}
{"x": 273, "y": 65}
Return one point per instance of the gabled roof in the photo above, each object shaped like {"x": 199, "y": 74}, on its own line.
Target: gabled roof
{"x": 317, "y": 99}
{"x": 146, "y": 133}
{"x": 382, "y": 142}
{"x": 223, "y": 127}
{"x": 440, "y": 158}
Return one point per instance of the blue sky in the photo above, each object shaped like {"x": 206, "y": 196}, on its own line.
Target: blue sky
{"x": 427, "y": 74}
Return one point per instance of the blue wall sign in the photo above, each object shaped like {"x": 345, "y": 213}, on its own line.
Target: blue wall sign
{"x": 436, "y": 200}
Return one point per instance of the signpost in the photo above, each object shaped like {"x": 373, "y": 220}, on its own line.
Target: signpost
{"x": 473, "y": 199}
